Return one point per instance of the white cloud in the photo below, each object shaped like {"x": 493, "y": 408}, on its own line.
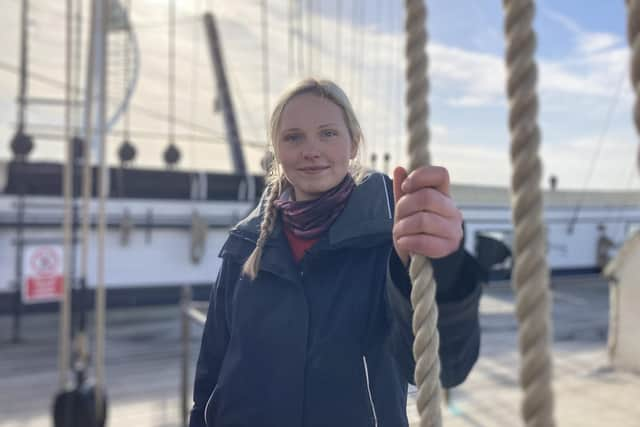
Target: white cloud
{"x": 472, "y": 101}
{"x": 594, "y": 42}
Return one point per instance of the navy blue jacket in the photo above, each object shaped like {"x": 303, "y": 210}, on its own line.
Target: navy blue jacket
{"x": 327, "y": 341}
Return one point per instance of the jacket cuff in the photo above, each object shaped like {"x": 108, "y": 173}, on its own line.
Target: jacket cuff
{"x": 457, "y": 275}
{"x": 399, "y": 275}
{"x": 458, "y": 324}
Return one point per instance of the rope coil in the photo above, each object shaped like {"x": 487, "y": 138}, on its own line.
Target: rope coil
{"x": 425, "y": 316}
{"x": 530, "y": 271}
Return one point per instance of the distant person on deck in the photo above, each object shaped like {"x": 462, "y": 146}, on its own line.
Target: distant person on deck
{"x": 604, "y": 246}
{"x": 309, "y": 321}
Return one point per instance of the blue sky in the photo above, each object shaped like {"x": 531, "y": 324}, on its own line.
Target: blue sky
{"x": 585, "y": 96}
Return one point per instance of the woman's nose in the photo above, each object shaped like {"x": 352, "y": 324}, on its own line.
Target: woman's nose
{"x": 311, "y": 150}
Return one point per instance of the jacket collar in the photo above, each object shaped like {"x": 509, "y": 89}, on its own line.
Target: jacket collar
{"x": 366, "y": 220}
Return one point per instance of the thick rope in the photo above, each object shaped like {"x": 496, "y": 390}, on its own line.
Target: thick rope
{"x": 530, "y": 272}
{"x": 425, "y": 316}
{"x": 633, "y": 35}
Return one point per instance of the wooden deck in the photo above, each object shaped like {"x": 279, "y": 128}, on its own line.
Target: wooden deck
{"x": 143, "y": 367}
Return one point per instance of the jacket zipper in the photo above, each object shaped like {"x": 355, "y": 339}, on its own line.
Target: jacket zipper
{"x": 366, "y": 375}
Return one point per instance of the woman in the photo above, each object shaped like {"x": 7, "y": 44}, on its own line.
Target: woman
{"x": 309, "y": 322}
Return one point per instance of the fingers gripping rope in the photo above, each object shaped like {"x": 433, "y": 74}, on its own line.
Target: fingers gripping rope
{"x": 425, "y": 316}
{"x": 530, "y": 272}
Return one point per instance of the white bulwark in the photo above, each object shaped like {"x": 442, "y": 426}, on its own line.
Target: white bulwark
{"x": 149, "y": 240}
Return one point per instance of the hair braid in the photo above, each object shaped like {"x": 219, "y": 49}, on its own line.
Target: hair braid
{"x": 252, "y": 264}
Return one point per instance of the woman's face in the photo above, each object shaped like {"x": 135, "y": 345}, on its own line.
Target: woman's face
{"x": 313, "y": 145}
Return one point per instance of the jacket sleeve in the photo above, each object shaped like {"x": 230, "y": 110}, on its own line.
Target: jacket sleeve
{"x": 457, "y": 296}
{"x": 214, "y": 342}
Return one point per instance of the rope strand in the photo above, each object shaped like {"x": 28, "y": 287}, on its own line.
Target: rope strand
{"x": 530, "y": 271}
{"x": 633, "y": 32}
{"x": 425, "y": 316}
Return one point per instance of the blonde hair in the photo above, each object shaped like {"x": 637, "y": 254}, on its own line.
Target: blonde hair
{"x": 275, "y": 180}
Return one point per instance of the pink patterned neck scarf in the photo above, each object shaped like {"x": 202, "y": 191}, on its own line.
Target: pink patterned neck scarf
{"x": 309, "y": 219}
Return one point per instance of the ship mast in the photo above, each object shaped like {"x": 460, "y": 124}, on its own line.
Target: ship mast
{"x": 226, "y": 104}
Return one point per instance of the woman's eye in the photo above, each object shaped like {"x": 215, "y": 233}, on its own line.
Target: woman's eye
{"x": 292, "y": 137}
{"x": 327, "y": 133}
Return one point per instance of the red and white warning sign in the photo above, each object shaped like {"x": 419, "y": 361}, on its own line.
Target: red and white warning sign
{"x": 43, "y": 274}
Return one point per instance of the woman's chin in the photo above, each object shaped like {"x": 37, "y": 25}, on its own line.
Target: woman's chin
{"x": 313, "y": 190}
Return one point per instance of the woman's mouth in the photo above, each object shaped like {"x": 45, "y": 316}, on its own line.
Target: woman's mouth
{"x": 313, "y": 169}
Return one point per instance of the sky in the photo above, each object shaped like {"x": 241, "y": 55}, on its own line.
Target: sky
{"x": 588, "y": 139}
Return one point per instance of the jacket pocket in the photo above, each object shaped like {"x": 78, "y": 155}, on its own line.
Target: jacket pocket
{"x": 365, "y": 367}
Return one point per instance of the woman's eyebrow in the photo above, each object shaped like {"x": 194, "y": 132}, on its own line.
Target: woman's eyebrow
{"x": 327, "y": 125}
{"x": 291, "y": 129}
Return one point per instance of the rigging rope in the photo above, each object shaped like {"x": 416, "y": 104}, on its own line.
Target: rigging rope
{"x": 172, "y": 71}
{"x": 194, "y": 89}
{"x": 360, "y": 77}
{"x": 65, "y": 315}
{"x": 300, "y": 33}
{"x": 397, "y": 90}
{"x": 172, "y": 153}
{"x": 100, "y": 300}
{"x": 389, "y": 100}
{"x": 309, "y": 43}
{"x": 633, "y": 35}
{"x": 425, "y": 316}
{"x": 24, "y": 63}
{"x": 374, "y": 106}
{"x": 126, "y": 71}
{"x": 77, "y": 70}
{"x": 338, "y": 56}
{"x": 290, "y": 47}
{"x": 596, "y": 155}
{"x": 317, "y": 18}
{"x": 353, "y": 49}
{"x": 530, "y": 272}
{"x": 80, "y": 340}
{"x": 265, "y": 62}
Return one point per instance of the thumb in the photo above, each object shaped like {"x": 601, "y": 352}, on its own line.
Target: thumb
{"x": 399, "y": 175}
